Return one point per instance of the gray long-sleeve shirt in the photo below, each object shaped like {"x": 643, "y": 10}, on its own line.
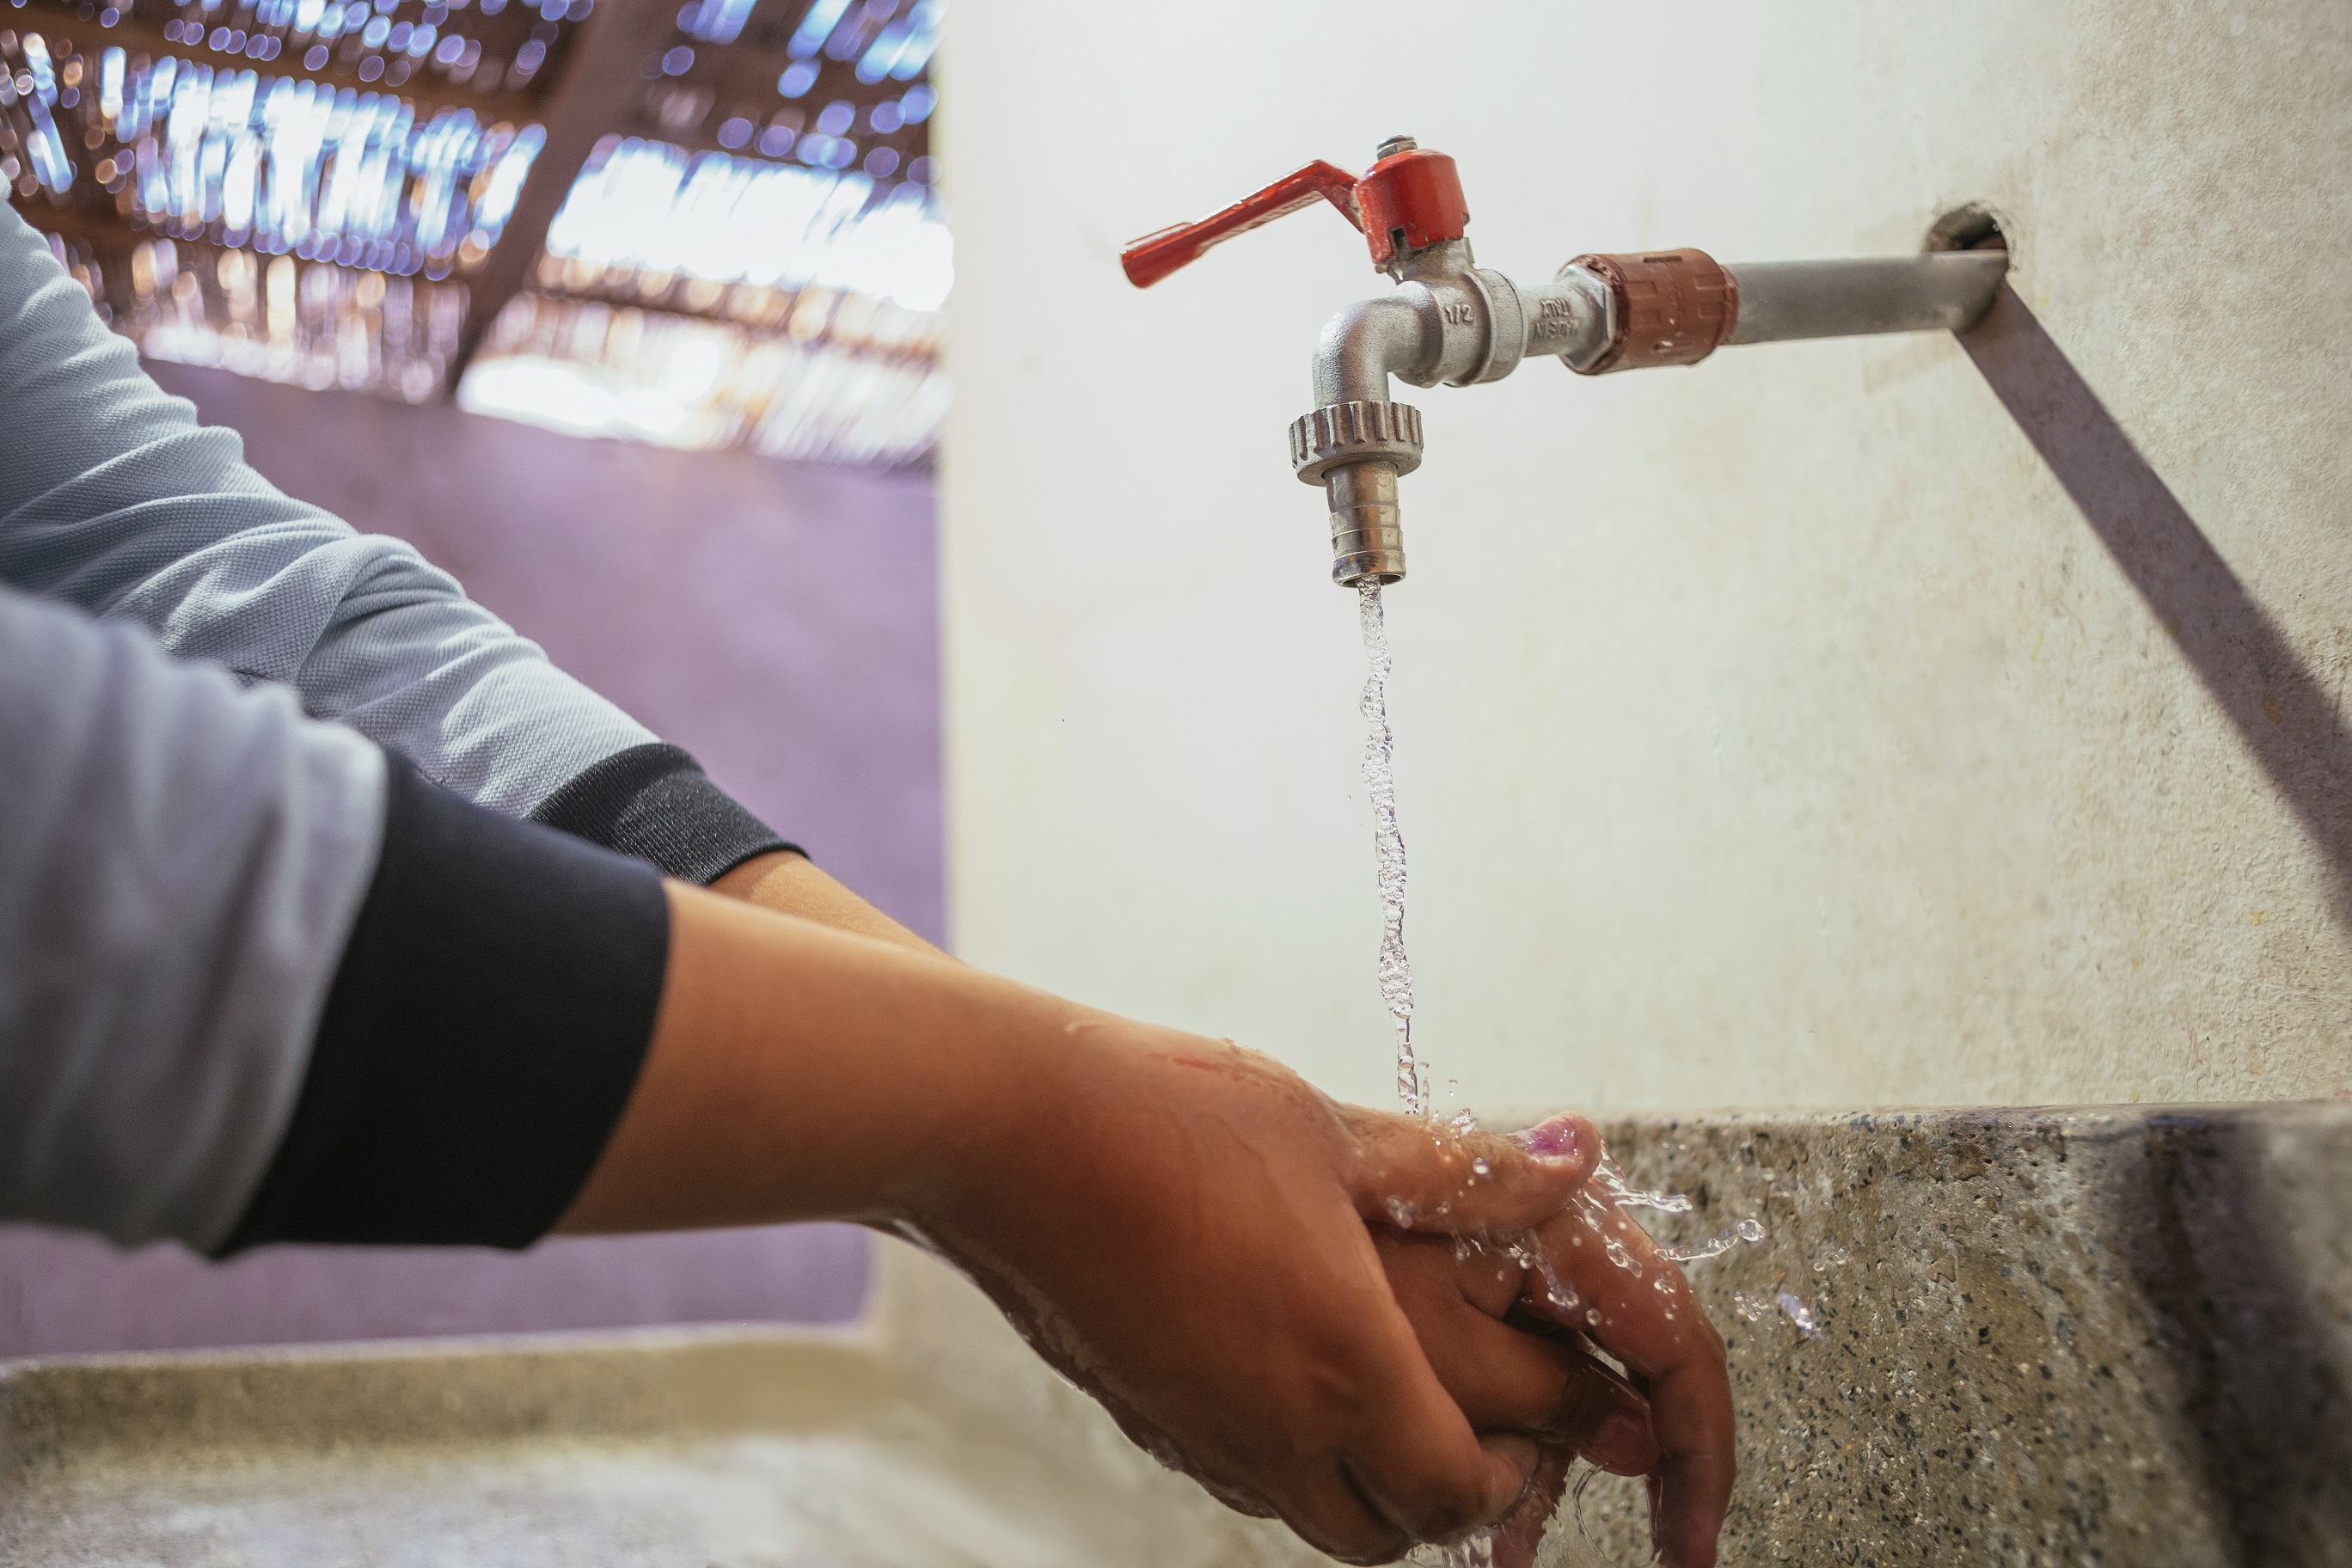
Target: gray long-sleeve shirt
{"x": 185, "y": 841}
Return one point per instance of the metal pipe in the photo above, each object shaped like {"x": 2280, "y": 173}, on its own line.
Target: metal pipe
{"x": 1942, "y": 291}
{"x": 1450, "y": 322}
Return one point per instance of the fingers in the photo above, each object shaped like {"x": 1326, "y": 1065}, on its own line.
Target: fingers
{"x": 1418, "y": 1464}
{"x": 1504, "y": 1378}
{"x": 1386, "y": 1459}
{"x": 1521, "y": 1533}
{"x": 1337, "y": 1520}
{"x": 1417, "y": 1176}
{"x": 1638, "y": 1307}
{"x": 1352, "y": 1517}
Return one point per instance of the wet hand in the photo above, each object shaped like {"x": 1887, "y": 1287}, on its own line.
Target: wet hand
{"x": 1609, "y": 1282}
{"x": 1186, "y": 1230}
{"x": 1182, "y": 1227}
{"x": 1512, "y": 1325}
{"x": 1530, "y": 1387}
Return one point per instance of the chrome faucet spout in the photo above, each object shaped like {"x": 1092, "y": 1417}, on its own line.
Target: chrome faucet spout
{"x": 1365, "y": 344}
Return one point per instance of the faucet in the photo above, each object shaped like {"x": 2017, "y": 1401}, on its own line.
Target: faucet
{"x": 1453, "y": 321}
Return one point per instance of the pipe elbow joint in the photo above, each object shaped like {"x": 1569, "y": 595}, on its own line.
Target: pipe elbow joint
{"x": 1366, "y": 343}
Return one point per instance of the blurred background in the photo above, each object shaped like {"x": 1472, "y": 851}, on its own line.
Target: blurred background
{"x": 630, "y": 317}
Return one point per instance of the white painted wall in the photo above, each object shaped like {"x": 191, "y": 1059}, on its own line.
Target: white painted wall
{"x": 1774, "y": 732}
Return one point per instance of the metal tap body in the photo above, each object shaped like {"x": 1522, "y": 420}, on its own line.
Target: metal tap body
{"x": 1449, "y": 321}
{"x": 1453, "y": 322}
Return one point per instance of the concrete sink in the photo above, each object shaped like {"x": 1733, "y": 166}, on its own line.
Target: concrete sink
{"x": 2107, "y": 1335}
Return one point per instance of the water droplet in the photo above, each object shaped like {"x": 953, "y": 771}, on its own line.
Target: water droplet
{"x": 1748, "y": 1230}
{"x": 1480, "y": 1168}
{"x": 1622, "y": 1257}
{"x": 1801, "y": 1315}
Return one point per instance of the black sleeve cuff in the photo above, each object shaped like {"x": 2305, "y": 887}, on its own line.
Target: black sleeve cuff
{"x": 482, "y": 1035}
{"x": 654, "y": 802}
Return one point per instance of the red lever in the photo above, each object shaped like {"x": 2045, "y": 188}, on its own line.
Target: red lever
{"x": 1406, "y": 201}
{"x": 1158, "y": 254}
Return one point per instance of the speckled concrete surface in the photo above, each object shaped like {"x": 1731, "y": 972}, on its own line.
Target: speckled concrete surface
{"x": 2110, "y": 1335}
{"x": 746, "y": 1449}
{"x": 2113, "y": 1335}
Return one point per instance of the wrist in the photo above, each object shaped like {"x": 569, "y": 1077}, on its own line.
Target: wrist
{"x": 800, "y": 1072}
{"x": 743, "y": 882}
{"x": 987, "y": 1107}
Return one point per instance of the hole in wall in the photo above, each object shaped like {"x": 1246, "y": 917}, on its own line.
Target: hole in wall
{"x": 1974, "y": 226}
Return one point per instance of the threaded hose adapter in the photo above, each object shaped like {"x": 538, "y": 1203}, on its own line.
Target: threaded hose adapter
{"x": 1357, "y": 451}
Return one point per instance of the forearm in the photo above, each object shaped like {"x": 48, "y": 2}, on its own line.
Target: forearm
{"x": 790, "y": 884}
{"x": 115, "y": 499}
{"x": 801, "y": 1072}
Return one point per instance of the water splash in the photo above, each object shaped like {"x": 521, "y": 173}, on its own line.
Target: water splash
{"x": 1528, "y": 1253}
{"x": 1388, "y": 850}
{"x": 1475, "y": 1549}
{"x": 1626, "y": 1195}
{"x": 1746, "y": 1231}
{"x": 1610, "y": 1180}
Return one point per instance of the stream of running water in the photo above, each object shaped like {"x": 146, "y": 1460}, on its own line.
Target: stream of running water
{"x": 1388, "y": 850}
{"x": 1601, "y": 1213}
{"x": 1477, "y": 1550}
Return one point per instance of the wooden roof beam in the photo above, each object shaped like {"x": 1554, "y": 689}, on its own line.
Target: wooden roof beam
{"x": 604, "y": 73}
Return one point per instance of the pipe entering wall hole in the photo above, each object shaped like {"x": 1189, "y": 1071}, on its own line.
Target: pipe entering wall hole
{"x": 1971, "y": 227}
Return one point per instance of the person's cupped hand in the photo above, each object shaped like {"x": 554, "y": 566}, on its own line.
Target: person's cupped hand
{"x": 1577, "y": 1339}
{"x": 1247, "y": 1275}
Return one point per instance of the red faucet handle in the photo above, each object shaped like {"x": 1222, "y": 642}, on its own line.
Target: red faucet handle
{"x": 1156, "y": 255}
{"x": 1409, "y": 200}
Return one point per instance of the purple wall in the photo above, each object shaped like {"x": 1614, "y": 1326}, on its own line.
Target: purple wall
{"x": 781, "y": 622}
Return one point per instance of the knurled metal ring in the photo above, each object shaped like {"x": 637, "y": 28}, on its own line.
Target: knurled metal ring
{"x": 1352, "y": 432}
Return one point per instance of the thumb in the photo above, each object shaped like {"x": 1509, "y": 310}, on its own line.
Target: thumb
{"x": 1419, "y": 1175}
